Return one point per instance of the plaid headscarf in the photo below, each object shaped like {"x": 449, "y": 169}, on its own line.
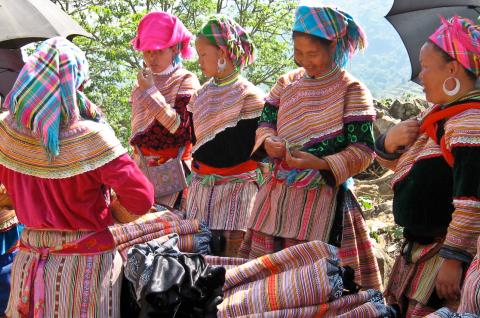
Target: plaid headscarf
{"x": 230, "y": 37}
{"x": 46, "y": 96}
{"x": 334, "y": 25}
{"x": 459, "y": 37}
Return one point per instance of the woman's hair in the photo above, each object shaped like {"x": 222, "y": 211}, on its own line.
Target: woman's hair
{"x": 447, "y": 58}
{"x": 313, "y": 38}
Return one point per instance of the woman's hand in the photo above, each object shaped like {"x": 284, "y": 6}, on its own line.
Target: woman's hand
{"x": 448, "y": 280}
{"x": 304, "y": 160}
{"x": 275, "y": 147}
{"x": 145, "y": 79}
{"x": 402, "y": 134}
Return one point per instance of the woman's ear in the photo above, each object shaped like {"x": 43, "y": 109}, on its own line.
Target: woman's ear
{"x": 175, "y": 49}
{"x": 332, "y": 48}
{"x": 454, "y": 67}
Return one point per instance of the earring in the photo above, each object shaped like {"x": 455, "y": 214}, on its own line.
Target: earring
{"x": 221, "y": 65}
{"x": 455, "y": 90}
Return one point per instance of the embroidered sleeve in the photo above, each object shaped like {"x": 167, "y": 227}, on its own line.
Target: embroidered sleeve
{"x": 165, "y": 113}
{"x": 358, "y": 130}
{"x": 385, "y": 159}
{"x": 267, "y": 125}
{"x": 464, "y": 228}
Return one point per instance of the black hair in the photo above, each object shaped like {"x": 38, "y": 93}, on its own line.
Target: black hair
{"x": 447, "y": 58}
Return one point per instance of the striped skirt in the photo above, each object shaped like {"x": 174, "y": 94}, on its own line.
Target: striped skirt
{"x": 291, "y": 212}
{"x": 470, "y": 301}
{"x": 447, "y": 313}
{"x": 412, "y": 283}
{"x": 225, "y": 206}
{"x": 300, "y": 281}
{"x": 287, "y": 216}
{"x": 75, "y": 285}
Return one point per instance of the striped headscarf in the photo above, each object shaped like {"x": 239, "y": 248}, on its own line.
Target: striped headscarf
{"x": 334, "y": 25}
{"x": 460, "y": 38}
{"x": 230, "y": 37}
{"x": 46, "y": 96}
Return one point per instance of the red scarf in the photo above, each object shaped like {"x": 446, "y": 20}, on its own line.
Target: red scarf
{"x": 430, "y": 125}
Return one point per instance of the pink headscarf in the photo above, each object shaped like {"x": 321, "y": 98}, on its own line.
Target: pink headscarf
{"x": 460, "y": 38}
{"x": 160, "y": 30}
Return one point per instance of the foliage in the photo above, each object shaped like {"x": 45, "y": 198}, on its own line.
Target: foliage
{"x": 114, "y": 63}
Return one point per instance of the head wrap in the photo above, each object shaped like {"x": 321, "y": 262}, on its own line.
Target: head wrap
{"x": 459, "y": 37}
{"x": 46, "y": 96}
{"x": 334, "y": 25}
{"x": 231, "y": 38}
{"x": 161, "y": 30}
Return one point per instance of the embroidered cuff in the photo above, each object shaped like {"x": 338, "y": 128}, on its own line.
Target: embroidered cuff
{"x": 380, "y": 149}
{"x": 449, "y": 252}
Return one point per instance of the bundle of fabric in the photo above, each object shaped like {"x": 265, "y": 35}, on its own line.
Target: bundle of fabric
{"x": 167, "y": 283}
{"x": 446, "y": 313}
{"x": 304, "y": 280}
{"x": 194, "y": 237}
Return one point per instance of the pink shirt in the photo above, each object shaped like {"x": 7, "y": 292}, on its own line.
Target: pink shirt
{"x": 78, "y": 202}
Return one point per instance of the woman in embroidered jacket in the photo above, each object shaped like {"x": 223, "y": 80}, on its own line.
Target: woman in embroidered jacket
{"x": 57, "y": 161}
{"x": 161, "y": 124}
{"x": 436, "y": 184}
{"x": 316, "y": 126}
{"x": 225, "y": 115}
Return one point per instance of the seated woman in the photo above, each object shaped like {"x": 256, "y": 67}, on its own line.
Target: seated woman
{"x": 436, "y": 159}
{"x": 58, "y": 160}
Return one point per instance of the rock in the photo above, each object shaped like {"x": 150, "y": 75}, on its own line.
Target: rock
{"x": 385, "y": 262}
{"x": 421, "y": 104}
{"x": 382, "y": 124}
{"x": 396, "y": 110}
{"x": 406, "y": 110}
{"x": 379, "y": 106}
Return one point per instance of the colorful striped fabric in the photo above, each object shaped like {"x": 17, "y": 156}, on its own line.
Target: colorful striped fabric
{"x": 300, "y": 281}
{"x": 324, "y": 105}
{"x": 231, "y": 38}
{"x": 46, "y": 95}
{"x": 194, "y": 237}
{"x": 215, "y": 179}
{"x": 460, "y": 38}
{"x": 216, "y": 108}
{"x": 356, "y": 250}
{"x": 96, "y": 279}
{"x": 470, "y": 301}
{"x": 158, "y": 104}
{"x": 334, "y": 25}
{"x": 225, "y": 206}
{"x": 84, "y": 146}
{"x": 447, "y": 313}
{"x": 412, "y": 281}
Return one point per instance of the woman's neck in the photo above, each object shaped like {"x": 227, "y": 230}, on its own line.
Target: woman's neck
{"x": 227, "y": 79}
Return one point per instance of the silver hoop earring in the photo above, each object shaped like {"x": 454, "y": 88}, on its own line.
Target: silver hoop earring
{"x": 221, "y": 65}
{"x": 455, "y": 90}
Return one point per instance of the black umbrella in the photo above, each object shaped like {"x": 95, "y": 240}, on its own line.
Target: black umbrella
{"x": 11, "y": 63}
{"x": 416, "y": 20}
{"x": 26, "y": 21}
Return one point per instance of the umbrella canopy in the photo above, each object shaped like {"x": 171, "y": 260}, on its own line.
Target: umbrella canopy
{"x": 25, "y": 21}
{"x": 416, "y": 20}
{"x": 11, "y": 63}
